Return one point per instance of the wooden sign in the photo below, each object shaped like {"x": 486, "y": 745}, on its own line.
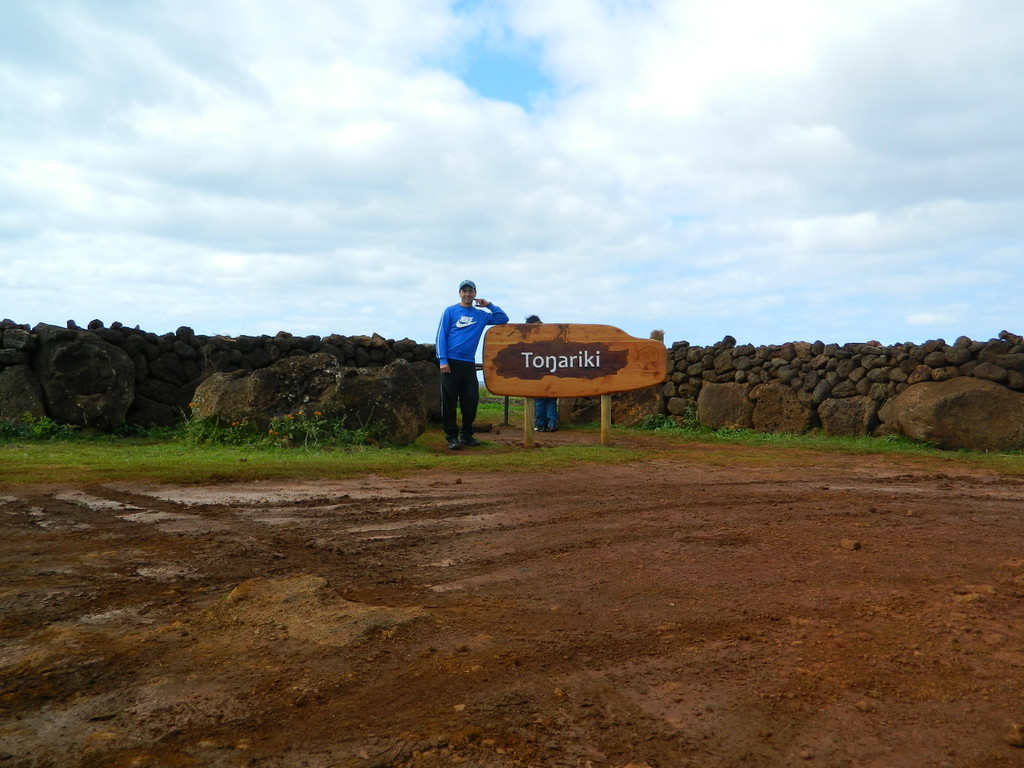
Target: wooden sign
{"x": 569, "y": 360}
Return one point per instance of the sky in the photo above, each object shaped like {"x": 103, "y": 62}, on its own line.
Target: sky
{"x": 800, "y": 170}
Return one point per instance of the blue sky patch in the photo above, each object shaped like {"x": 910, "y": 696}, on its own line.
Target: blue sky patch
{"x": 510, "y": 74}
{"x": 498, "y": 63}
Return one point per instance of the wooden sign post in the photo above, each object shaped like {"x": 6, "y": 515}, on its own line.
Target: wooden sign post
{"x": 533, "y": 360}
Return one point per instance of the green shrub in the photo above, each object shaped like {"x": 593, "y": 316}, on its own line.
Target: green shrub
{"x": 197, "y": 431}
{"x": 291, "y": 430}
{"x": 30, "y": 427}
{"x": 663, "y": 422}
{"x": 311, "y": 431}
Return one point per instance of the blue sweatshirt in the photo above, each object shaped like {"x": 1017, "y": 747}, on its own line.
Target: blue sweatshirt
{"x": 461, "y": 328}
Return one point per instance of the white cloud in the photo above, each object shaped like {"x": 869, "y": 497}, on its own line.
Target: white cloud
{"x": 769, "y": 171}
{"x": 936, "y": 318}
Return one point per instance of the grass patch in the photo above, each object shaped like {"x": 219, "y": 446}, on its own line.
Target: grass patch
{"x": 44, "y": 453}
{"x": 691, "y": 433}
{"x": 300, "y": 429}
{"x": 181, "y": 460}
{"x": 492, "y": 408}
{"x": 687, "y": 432}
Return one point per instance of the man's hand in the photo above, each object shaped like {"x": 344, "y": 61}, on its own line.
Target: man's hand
{"x": 446, "y": 368}
{"x": 483, "y": 303}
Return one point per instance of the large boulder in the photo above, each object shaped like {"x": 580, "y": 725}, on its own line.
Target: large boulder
{"x": 150, "y": 413}
{"x": 780, "y": 409}
{"x": 725, "y": 405}
{"x": 389, "y": 401}
{"x": 960, "y": 413}
{"x": 848, "y": 416}
{"x": 579, "y": 410}
{"x": 684, "y": 408}
{"x": 20, "y": 394}
{"x": 429, "y": 375}
{"x": 86, "y": 381}
{"x": 232, "y": 398}
{"x": 17, "y": 339}
{"x": 629, "y": 409}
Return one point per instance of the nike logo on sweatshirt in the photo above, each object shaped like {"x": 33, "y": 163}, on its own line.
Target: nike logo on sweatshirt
{"x": 464, "y": 322}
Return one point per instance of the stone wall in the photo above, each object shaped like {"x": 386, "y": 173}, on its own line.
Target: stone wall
{"x": 801, "y": 385}
{"x": 103, "y": 377}
{"x": 74, "y": 374}
{"x": 818, "y": 371}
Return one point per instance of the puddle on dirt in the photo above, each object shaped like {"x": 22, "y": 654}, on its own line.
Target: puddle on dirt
{"x": 176, "y": 522}
{"x": 274, "y": 520}
{"x": 90, "y": 502}
{"x": 165, "y": 572}
{"x": 155, "y": 517}
{"x": 194, "y": 526}
{"x": 119, "y": 615}
{"x": 295, "y": 515}
{"x": 265, "y": 493}
{"x": 465, "y": 523}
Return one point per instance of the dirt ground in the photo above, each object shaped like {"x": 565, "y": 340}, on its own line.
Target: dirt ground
{"x": 714, "y": 606}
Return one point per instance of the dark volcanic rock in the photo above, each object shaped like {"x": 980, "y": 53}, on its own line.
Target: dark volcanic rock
{"x": 579, "y": 410}
{"x": 725, "y": 405}
{"x": 389, "y": 401}
{"x": 149, "y": 413}
{"x": 849, "y": 416}
{"x": 629, "y": 409}
{"x": 20, "y": 393}
{"x": 86, "y": 381}
{"x": 429, "y": 375}
{"x": 778, "y": 408}
{"x": 959, "y": 413}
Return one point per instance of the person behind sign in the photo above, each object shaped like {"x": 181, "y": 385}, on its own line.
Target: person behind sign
{"x": 458, "y": 335}
{"x": 545, "y": 409}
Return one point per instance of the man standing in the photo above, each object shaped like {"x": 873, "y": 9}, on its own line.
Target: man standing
{"x": 458, "y": 335}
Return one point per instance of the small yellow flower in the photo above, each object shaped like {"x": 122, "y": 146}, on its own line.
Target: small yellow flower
{"x": 317, "y": 413}
{"x": 302, "y": 413}
{"x": 289, "y": 416}
{"x": 272, "y": 432}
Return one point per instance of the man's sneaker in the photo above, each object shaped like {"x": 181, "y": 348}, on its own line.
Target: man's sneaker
{"x": 471, "y": 441}
{"x": 453, "y": 443}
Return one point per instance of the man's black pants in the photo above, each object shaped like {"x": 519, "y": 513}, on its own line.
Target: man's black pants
{"x": 461, "y": 387}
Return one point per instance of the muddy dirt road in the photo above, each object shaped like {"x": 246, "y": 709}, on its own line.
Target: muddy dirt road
{"x": 714, "y": 607}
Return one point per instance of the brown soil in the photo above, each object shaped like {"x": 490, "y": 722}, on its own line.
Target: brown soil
{"x": 713, "y": 607}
